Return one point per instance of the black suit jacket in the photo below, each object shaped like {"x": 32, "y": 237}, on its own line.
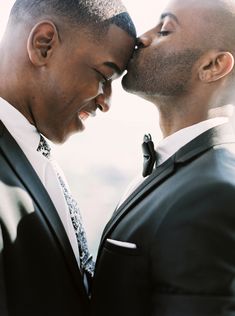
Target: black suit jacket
{"x": 182, "y": 220}
{"x": 39, "y": 275}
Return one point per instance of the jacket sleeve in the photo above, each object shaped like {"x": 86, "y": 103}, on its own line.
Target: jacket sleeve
{"x": 193, "y": 254}
{"x": 3, "y": 303}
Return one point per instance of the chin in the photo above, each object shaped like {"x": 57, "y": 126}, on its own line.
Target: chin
{"x": 127, "y": 83}
{"x": 58, "y": 137}
{"x": 130, "y": 85}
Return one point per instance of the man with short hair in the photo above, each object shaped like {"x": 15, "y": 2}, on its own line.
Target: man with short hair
{"x": 57, "y": 62}
{"x": 169, "y": 248}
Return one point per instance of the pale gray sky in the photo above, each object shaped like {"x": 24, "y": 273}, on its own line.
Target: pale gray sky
{"x": 101, "y": 161}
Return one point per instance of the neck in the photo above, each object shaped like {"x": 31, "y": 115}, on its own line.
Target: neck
{"x": 175, "y": 115}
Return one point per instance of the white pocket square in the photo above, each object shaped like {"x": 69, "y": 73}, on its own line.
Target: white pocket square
{"x": 122, "y": 243}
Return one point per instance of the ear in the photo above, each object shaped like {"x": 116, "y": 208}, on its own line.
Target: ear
{"x": 41, "y": 43}
{"x": 215, "y": 65}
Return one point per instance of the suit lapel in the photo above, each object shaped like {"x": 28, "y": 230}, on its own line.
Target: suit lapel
{"x": 159, "y": 175}
{"x": 216, "y": 136}
{"x": 222, "y": 134}
{"x": 19, "y": 163}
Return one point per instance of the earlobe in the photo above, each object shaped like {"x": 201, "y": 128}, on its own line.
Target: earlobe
{"x": 216, "y": 66}
{"x": 42, "y": 40}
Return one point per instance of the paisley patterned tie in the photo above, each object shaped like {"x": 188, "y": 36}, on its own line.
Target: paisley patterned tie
{"x": 87, "y": 264}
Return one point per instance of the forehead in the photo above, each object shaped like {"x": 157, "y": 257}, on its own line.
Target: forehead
{"x": 113, "y": 48}
{"x": 193, "y": 11}
{"x": 195, "y": 4}
{"x": 116, "y": 45}
{"x": 197, "y": 18}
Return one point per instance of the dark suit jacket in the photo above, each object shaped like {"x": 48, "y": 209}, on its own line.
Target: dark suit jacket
{"x": 39, "y": 275}
{"x": 182, "y": 219}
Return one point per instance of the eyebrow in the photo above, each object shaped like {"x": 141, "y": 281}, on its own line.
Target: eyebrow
{"x": 171, "y": 15}
{"x": 113, "y": 66}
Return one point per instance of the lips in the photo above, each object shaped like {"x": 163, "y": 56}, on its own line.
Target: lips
{"x": 83, "y": 115}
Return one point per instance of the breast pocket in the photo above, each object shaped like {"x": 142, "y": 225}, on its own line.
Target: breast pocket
{"x": 121, "y": 247}
{"x": 121, "y": 278}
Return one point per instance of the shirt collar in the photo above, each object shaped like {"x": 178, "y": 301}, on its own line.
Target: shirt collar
{"x": 171, "y": 144}
{"x": 19, "y": 127}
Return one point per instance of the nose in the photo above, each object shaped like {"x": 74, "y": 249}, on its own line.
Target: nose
{"x": 103, "y": 100}
{"x": 144, "y": 40}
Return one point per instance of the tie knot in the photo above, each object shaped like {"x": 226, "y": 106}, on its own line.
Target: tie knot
{"x": 44, "y": 147}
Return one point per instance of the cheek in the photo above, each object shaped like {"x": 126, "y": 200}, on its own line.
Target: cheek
{"x": 88, "y": 90}
{"x": 81, "y": 90}
{"x": 75, "y": 85}
{"x": 144, "y": 62}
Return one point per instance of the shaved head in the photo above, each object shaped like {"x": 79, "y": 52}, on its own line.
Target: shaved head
{"x": 216, "y": 22}
{"x": 220, "y": 24}
{"x": 191, "y": 38}
{"x": 185, "y": 63}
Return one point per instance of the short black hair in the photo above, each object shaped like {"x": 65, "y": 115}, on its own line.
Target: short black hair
{"x": 95, "y": 13}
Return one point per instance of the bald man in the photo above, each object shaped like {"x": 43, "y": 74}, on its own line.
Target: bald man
{"x": 169, "y": 249}
{"x": 57, "y": 62}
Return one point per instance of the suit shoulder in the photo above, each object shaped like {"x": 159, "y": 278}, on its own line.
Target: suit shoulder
{"x": 215, "y": 167}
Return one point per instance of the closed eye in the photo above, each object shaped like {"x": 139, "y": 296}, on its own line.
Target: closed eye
{"x": 163, "y": 33}
{"x": 104, "y": 79}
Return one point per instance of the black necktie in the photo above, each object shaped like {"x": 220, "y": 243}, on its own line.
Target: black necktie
{"x": 149, "y": 155}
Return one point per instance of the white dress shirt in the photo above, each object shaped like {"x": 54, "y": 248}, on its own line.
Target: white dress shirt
{"x": 171, "y": 144}
{"x": 27, "y": 137}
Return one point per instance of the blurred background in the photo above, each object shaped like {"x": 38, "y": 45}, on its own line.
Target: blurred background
{"x": 100, "y": 162}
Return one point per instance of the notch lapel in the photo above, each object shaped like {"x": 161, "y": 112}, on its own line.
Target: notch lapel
{"x": 223, "y": 134}
{"x": 20, "y": 164}
{"x": 158, "y": 175}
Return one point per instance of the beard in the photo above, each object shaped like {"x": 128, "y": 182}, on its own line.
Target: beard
{"x": 156, "y": 73}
